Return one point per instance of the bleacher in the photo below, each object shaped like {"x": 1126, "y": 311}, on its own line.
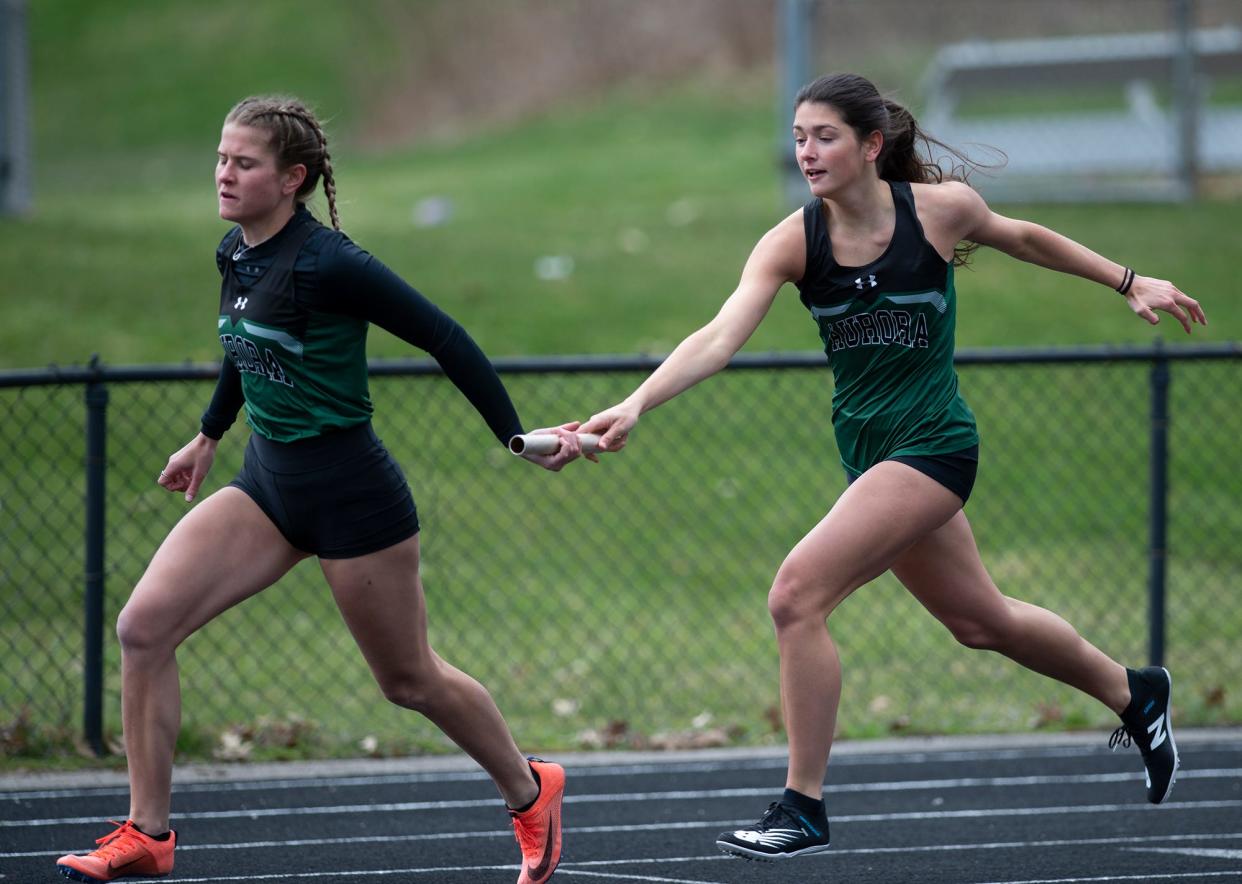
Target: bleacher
{"x": 1134, "y": 151}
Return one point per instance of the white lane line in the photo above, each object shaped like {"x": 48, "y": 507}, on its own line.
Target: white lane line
{"x": 621, "y": 797}
{"x": 1033, "y": 811}
{"x": 1191, "y": 851}
{"x": 254, "y": 786}
{"x": 580, "y": 772}
{"x": 507, "y": 834}
{"x": 676, "y": 795}
{"x": 1048, "y": 843}
{"x": 1145, "y": 876}
{"x": 564, "y": 869}
{"x": 350, "y": 873}
{"x": 287, "y": 876}
{"x": 573, "y": 869}
{"x": 621, "y": 876}
{"x": 371, "y": 873}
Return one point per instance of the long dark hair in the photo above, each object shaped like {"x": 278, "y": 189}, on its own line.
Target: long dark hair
{"x": 865, "y": 110}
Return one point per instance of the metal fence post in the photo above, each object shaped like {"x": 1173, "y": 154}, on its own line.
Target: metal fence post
{"x": 1157, "y": 561}
{"x": 1186, "y": 92}
{"x": 96, "y": 468}
{"x": 15, "y": 161}
{"x": 796, "y": 54}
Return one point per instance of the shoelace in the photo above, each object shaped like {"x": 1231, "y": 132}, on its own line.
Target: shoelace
{"x": 528, "y": 839}
{"x": 118, "y": 841}
{"x": 1120, "y": 737}
{"x": 772, "y": 819}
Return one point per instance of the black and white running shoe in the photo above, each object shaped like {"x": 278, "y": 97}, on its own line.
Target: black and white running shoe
{"x": 783, "y": 833}
{"x": 1148, "y": 722}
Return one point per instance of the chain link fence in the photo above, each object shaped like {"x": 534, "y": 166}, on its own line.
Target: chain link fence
{"x": 623, "y": 604}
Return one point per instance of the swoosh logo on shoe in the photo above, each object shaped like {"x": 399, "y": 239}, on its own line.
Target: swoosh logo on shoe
{"x": 125, "y": 866}
{"x": 545, "y": 862}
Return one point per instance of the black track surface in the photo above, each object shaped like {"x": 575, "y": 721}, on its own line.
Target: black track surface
{"x": 967, "y": 812}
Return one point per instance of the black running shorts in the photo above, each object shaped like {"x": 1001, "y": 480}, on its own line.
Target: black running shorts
{"x": 338, "y": 496}
{"x": 954, "y": 471}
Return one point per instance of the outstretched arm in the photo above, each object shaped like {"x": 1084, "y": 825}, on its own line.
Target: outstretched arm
{"x": 778, "y": 258}
{"x": 1036, "y": 244}
{"x": 354, "y": 282}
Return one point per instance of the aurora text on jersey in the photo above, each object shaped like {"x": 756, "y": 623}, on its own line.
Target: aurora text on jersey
{"x": 245, "y": 354}
{"x": 888, "y": 332}
{"x": 877, "y": 329}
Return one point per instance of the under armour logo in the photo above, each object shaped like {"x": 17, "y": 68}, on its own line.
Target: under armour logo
{"x": 240, "y": 303}
{"x": 860, "y": 285}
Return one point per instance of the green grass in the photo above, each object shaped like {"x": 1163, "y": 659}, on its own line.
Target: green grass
{"x": 657, "y": 196}
{"x": 115, "y": 79}
{"x": 105, "y": 273}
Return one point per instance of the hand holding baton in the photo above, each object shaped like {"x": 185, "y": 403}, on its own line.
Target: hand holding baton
{"x": 548, "y": 443}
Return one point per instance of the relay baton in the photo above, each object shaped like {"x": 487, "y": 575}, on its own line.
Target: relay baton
{"x": 548, "y": 443}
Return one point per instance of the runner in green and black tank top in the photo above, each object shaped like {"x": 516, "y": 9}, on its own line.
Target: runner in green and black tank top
{"x": 873, "y": 255}
{"x": 888, "y": 331}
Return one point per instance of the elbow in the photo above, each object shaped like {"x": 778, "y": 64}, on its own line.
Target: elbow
{"x": 1035, "y": 244}
{"x": 717, "y": 347}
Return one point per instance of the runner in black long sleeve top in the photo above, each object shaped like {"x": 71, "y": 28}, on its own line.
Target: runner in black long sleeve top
{"x": 336, "y": 282}
{"x": 296, "y": 301}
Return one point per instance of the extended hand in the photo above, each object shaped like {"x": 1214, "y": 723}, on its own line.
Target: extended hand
{"x": 1148, "y": 295}
{"x": 613, "y": 426}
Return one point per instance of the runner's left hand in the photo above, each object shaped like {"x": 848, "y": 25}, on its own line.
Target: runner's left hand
{"x": 1147, "y": 295}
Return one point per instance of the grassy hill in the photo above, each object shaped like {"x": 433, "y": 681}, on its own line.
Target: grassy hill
{"x": 656, "y": 196}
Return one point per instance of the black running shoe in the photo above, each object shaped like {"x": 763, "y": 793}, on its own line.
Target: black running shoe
{"x": 783, "y": 833}
{"x": 1148, "y": 721}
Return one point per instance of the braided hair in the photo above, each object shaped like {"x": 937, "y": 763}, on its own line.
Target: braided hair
{"x": 297, "y": 137}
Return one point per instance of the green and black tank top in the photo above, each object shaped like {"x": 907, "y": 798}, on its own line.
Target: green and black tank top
{"x": 888, "y": 332}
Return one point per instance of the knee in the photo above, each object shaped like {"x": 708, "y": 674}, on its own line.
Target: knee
{"x": 140, "y": 632}
{"x": 796, "y": 599}
{"x": 409, "y": 690}
{"x": 981, "y": 633}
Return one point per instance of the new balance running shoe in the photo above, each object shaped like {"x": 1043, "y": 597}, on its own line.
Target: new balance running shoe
{"x": 783, "y": 833}
{"x": 125, "y": 852}
{"x": 1148, "y": 722}
{"x": 538, "y": 828}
